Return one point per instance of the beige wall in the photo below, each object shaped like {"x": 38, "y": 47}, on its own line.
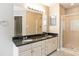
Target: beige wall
{"x": 72, "y": 10}
{"x": 58, "y": 10}
{"x": 46, "y": 17}
{"x": 54, "y": 9}
{"x": 62, "y": 10}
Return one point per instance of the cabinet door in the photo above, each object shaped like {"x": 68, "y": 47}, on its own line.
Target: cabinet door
{"x": 24, "y": 48}
{"x": 48, "y": 46}
{"x": 51, "y": 45}
{"x": 54, "y": 43}
{"x": 25, "y": 53}
{"x": 43, "y": 52}
{"x": 36, "y": 51}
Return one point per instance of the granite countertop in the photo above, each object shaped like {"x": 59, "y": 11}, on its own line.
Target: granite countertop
{"x": 19, "y": 41}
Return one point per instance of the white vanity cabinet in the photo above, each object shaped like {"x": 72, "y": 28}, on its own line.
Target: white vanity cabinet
{"x": 33, "y": 49}
{"x": 25, "y": 50}
{"x": 48, "y": 46}
{"x": 40, "y": 48}
{"x": 43, "y": 48}
{"x": 54, "y": 43}
{"x": 36, "y": 49}
{"x": 51, "y": 45}
{"x": 25, "y": 53}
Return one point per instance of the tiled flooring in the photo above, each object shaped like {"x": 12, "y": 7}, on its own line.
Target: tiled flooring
{"x": 65, "y": 52}
{"x": 61, "y": 53}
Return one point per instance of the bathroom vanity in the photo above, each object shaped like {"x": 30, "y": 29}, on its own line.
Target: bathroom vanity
{"x": 36, "y": 45}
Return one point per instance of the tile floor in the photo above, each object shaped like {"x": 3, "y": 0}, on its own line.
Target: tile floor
{"x": 62, "y": 53}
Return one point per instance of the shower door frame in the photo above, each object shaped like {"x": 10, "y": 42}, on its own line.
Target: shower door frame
{"x": 61, "y": 31}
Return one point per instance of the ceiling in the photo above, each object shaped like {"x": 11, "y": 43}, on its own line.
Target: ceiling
{"x": 70, "y": 5}
{"x": 65, "y": 5}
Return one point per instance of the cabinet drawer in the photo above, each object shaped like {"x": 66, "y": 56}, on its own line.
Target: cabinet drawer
{"x": 36, "y": 44}
{"x": 24, "y": 48}
{"x": 25, "y": 53}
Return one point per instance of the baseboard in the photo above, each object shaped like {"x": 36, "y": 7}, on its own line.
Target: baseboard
{"x": 52, "y": 52}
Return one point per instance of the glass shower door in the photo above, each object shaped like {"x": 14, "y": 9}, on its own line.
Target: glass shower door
{"x": 71, "y": 31}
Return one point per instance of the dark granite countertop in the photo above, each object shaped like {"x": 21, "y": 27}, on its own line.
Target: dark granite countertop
{"x": 28, "y": 39}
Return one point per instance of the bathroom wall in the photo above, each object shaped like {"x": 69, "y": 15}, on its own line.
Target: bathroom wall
{"x": 62, "y": 10}
{"x": 54, "y": 10}
{"x": 6, "y": 29}
{"x": 45, "y": 19}
{"x": 74, "y": 10}
{"x": 19, "y": 10}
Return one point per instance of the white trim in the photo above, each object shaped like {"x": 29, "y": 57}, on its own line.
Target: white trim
{"x": 61, "y": 42}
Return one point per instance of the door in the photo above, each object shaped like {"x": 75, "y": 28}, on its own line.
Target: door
{"x": 49, "y": 46}
{"x": 18, "y": 25}
{"x": 71, "y": 31}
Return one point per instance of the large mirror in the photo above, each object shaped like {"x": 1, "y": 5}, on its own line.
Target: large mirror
{"x": 30, "y": 19}
{"x": 33, "y": 24}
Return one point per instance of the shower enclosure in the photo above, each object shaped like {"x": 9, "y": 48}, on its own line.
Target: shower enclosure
{"x": 70, "y": 31}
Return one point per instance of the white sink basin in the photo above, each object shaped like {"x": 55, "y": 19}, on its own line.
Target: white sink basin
{"x": 49, "y": 36}
{"x": 27, "y": 40}
{"x": 46, "y": 37}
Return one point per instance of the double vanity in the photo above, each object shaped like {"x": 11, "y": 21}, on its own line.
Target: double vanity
{"x": 36, "y": 45}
